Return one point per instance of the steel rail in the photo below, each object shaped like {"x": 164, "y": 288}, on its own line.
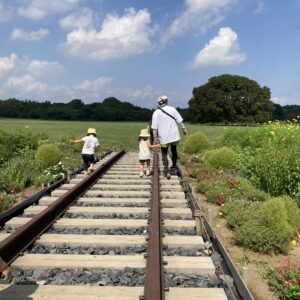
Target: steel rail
{"x": 20, "y": 239}
{"x": 154, "y": 281}
{"x": 19, "y": 208}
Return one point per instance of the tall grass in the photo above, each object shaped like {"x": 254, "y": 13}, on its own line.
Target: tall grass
{"x": 110, "y": 134}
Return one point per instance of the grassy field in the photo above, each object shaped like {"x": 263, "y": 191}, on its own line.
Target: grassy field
{"x": 111, "y": 134}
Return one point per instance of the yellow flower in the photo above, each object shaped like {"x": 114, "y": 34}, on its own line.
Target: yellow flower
{"x": 220, "y": 214}
{"x": 294, "y": 243}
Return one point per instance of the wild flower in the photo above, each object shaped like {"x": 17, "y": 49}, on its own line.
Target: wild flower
{"x": 285, "y": 279}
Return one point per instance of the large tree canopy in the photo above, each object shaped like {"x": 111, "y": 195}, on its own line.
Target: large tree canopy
{"x": 231, "y": 98}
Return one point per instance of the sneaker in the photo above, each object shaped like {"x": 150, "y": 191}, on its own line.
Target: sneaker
{"x": 174, "y": 170}
{"x": 148, "y": 172}
{"x": 168, "y": 175}
{"x": 141, "y": 174}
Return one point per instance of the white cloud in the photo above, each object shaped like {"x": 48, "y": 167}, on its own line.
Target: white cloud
{"x": 6, "y": 12}
{"x": 44, "y": 68}
{"x": 199, "y": 15}
{"x": 118, "y": 37}
{"x": 23, "y": 84}
{"x": 33, "y": 36}
{"x": 7, "y": 64}
{"x": 39, "y": 9}
{"x": 22, "y": 77}
{"x": 222, "y": 50}
{"x": 83, "y": 18}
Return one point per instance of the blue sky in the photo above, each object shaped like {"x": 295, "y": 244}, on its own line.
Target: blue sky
{"x": 136, "y": 50}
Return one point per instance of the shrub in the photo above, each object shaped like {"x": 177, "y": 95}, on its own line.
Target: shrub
{"x": 270, "y": 157}
{"x": 220, "y": 158}
{"x": 48, "y": 155}
{"x": 230, "y": 188}
{"x": 18, "y": 173}
{"x": 270, "y": 226}
{"x": 195, "y": 143}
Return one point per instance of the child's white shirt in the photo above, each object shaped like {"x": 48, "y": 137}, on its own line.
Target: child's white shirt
{"x": 90, "y": 143}
{"x": 144, "y": 152}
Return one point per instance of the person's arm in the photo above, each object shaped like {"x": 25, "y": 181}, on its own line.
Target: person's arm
{"x": 153, "y": 146}
{"x": 76, "y": 141}
{"x": 184, "y": 130}
{"x": 5, "y": 270}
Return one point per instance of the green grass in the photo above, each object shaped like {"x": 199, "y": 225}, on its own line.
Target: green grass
{"x": 110, "y": 134}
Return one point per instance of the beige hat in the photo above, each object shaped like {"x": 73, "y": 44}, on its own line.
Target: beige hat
{"x": 92, "y": 131}
{"x": 144, "y": 133}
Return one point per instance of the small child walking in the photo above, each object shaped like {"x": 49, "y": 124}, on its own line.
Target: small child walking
{"x": 144, "y": 152}
{"x": 90, "y": 143}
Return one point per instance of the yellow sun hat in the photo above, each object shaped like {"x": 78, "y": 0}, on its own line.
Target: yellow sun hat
{"x": 144, "y": 133}
{"x": 92, "y": 131}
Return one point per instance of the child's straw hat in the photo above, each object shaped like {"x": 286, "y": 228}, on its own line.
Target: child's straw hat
{"x": 92, "y": 131}
{"x": 144, "y": 133}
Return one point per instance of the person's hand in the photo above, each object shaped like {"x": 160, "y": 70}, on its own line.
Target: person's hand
{"x": 6, "y": 274}
{"x": 185, "y": 132}
{"x": 71, "y": 141}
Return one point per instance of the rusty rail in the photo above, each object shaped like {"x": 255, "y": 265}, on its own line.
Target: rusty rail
{"x": 154, "y": 281}
{"x": 19, "y": 240}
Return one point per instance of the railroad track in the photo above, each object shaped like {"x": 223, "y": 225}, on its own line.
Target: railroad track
{"x": 112, "y": 235}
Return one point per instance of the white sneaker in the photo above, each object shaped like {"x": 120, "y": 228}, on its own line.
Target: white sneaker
{"x": 148, "y": 172}
{"x": 141, "y": 174}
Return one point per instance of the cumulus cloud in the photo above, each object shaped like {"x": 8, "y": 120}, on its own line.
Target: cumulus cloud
{"x": 23, "y": 84}
{"x": 199, "y": 15}
{"x": 33, "y": 36}
{"x": 22, "y": 77}
{"x": 83, "y": 18}
{"x": 222, "y": 50}
{"x": 7, "y": 64}
{"x": 6, "y": 12}
{"x": 118, "y": 37}
{"x": 43, "y": 68}
{"x": 88, "y": 89}
{"x": 39, "y": 9}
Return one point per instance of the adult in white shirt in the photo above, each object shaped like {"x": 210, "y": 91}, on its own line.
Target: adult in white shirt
{"x": 165, "y": 131}
{"x": 90, "y": 143}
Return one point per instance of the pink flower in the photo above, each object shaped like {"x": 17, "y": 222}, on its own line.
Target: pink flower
{"x": 285, "y": 283}
{"x": 289, "y": 270}
{"x": 281, "y": 267}
{"x": 286, "y": 259}
{"x": 279, "y": 276}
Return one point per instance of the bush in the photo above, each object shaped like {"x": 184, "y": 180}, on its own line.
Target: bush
{"x": 18, "y": 172}
{"x": 48, "y": 155}
{"x": 220, "y": 158}
{"x": 14, "y": 143}
{"x": 195, "y": 143}
{"x": 230, "y": 188}
{"x": 269, "y": 226}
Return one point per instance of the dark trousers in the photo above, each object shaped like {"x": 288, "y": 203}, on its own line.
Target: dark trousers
{"x": 87, "y": 160}
{"x": 164, "y": 154}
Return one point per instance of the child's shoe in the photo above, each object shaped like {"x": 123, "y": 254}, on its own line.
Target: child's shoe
{"x": 148, "y": 172}
{"x": 141, "y": 174}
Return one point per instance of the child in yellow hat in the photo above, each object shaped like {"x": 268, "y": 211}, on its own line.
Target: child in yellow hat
{"x": 144, "y": 152}
{"x": 90, "y": 143}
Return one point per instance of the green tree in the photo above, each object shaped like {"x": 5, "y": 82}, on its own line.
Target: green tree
{"x": 230, "y": 98}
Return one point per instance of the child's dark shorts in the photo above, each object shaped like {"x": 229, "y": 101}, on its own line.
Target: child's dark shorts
{"x": 142, "y": 161}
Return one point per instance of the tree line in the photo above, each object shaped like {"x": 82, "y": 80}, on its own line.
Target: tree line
{"x": 111, "y": 109}
{"x": 223, "y": 99}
